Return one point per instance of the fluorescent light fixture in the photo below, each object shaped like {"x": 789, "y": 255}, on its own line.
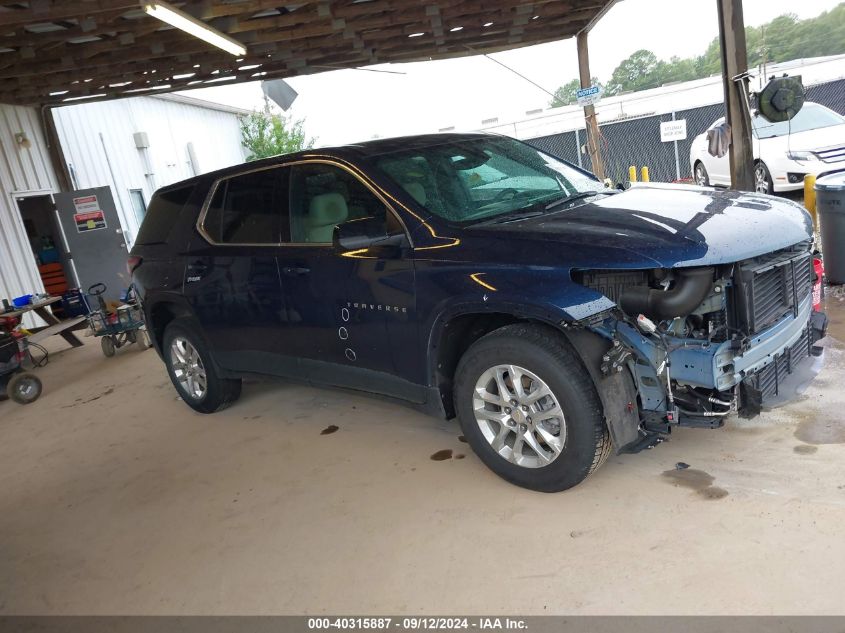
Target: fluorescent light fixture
{"x": 454, "y": 29}
{"x": 182, "y": 21}
{"x": 102, "y": 94}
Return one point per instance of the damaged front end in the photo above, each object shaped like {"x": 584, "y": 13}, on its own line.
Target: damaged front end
{"x": 691, "y": 346}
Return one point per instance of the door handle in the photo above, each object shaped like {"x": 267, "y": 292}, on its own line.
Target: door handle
{"x": 293, "y": 271}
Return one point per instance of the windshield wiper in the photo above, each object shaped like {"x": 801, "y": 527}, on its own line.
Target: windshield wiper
{"x": 579, "y": 195}
{"x": 532, "y": 211}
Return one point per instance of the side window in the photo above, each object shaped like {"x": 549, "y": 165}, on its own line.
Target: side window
{"x": 162, "y": 215}
{"x": 250, "y": 209}
{"x": 323, "y": 196}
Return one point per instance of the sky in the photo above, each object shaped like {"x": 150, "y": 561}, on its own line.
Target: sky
{"x": 354, "y": 105}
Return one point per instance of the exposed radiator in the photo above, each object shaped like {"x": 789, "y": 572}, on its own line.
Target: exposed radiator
{"x": 775, "y": 285}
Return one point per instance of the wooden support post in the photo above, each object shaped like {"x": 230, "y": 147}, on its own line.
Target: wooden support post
{"x": 735, "y": 64}
{"x": 593, "y": 142}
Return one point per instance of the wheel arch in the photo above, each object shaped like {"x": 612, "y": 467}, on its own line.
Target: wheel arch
{"x": 459, "y": 327}
{"x": 160, "y": 312}
{"x": 457, "y": 332}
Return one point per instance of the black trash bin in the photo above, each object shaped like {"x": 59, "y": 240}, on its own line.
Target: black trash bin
{"x": 830, "y": 207}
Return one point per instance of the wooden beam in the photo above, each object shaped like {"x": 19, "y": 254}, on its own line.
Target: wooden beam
{"x": 593, "y": 135}
{"x": 63, "y": 10}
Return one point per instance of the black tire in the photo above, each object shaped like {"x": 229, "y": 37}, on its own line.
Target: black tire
{"x": 131, "y": 336}
{"x": 24, "y": 388}
{"x": 107, "y": 345}
{"x": 219, "y": 392}
{"x": 762, "y": 177}
{"x": 545, "y": 353}
{"x": 700, "y": 175}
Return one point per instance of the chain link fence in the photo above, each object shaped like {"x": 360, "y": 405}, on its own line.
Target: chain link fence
{"x": 636, "y": 141}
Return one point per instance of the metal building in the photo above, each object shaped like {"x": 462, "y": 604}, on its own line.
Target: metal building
{"x": 133, "y": 146}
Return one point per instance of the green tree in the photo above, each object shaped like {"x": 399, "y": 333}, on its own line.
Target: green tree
{"x": 565, "y": 95}
{"x": 783, "y": 39}
{"x": 267, "y": 133}
{"x": 637, "y": 72}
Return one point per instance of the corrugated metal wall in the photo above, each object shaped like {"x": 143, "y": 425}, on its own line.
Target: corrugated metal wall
{"x": 22, "y": 171}
{"x": 98, "y": 144}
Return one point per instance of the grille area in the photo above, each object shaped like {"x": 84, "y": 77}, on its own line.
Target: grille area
{"x": 775, "y": 285}
{"x": 768, "y": 379}
{"x": 831, "y": 155}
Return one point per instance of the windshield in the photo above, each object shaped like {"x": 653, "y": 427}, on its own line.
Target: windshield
{"x": 811, "y": 117}
{"x": 468, "y": 180}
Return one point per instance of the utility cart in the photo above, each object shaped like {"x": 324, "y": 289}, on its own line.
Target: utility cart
{"x": 21, "y": 386}
{"x": 119, "y": 327}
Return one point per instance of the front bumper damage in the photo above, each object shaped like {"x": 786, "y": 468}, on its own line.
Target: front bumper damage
{"x": 764, "y": 371}
{"x": 788, "y": 374}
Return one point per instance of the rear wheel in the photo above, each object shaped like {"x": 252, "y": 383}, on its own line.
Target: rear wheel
{"x": 24, "y": 388}
{"x": 192, "y": 372}
{"x": 702, "y": 178}
{"x": 529, "y": 409}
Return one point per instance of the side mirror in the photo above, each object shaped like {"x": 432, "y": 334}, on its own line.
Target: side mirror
{"x": 365, "y": 233}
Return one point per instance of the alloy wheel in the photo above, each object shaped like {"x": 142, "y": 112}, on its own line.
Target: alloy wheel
{"x": 761, "y": 179}
{"x": 188, "y": 368}
{"x": 700, "y": 177}
{"x": 519, "y": 416}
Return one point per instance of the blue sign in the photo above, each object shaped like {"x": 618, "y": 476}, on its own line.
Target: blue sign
{"x": 588, "y": 96}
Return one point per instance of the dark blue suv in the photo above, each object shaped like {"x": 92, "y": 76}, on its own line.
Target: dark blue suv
{"x": 476, "y": 276}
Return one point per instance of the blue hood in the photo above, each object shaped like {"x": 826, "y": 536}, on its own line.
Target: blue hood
{"x": 667, "y": 226}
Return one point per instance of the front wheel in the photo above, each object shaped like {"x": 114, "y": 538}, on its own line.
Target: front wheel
{"x": 702, "y": 178}
{"x": 529, "y": 409}
{"x": 24, "y": 388}
{"x": 763, "y": 179}
{"x": 108, "y": 347}
{"x": 192, "y": 372}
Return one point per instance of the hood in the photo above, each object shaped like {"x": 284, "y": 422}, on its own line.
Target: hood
{"x": 669, "y": 225}
{"x": 808, "y": 141}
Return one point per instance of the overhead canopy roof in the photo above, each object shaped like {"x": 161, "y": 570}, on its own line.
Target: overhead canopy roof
{"x": 60, "y": 51}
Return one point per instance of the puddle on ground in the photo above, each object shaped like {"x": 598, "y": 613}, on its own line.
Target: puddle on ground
{"x": 697, "y": 480}
{"x": 460, "y": 456}
{"x": 805, "y": 449}
{"x": 816, "y": 428}
{"x": 713, "y": 492}
{"x": 443, "y": 455}
{"x": 329, "y": 430}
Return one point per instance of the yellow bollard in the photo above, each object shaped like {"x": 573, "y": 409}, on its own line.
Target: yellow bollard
{"x": 632, "y": 173}
{"x": 810, "y": 196}
{"x": 645, "y": 174}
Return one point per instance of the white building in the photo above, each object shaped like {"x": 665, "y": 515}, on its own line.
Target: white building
{"x": 669, "y": 98}
{"x": 132, "y": 146}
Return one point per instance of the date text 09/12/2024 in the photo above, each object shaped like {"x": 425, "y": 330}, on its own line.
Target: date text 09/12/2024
{"x": 419, "y": 623}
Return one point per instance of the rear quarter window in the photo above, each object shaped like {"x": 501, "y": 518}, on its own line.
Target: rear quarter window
{"x": 162, "y": 214}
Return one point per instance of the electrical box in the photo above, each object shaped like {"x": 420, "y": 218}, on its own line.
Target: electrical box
{"x": 142, "y": 141}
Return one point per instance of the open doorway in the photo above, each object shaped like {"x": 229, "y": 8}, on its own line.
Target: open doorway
{"x": 47, "y": 243}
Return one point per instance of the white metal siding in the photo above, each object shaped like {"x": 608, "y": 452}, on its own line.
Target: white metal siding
{"x": 22, "y": 171}
{"x": 169, "y": 125}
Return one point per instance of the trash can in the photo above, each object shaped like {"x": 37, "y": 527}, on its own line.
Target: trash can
{"x": 830, "y": 207}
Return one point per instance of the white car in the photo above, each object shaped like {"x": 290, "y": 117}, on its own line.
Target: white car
{"x": 813, "y": 142}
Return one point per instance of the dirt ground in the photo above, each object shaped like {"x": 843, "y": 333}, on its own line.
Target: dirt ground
{"x": 115, "y": 498}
